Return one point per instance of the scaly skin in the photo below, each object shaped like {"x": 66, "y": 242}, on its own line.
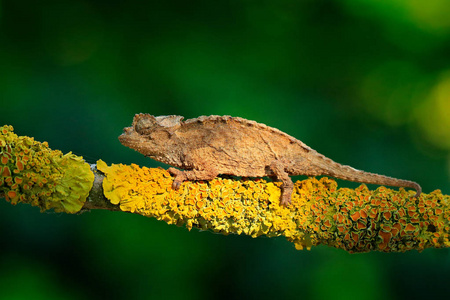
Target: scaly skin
{"x": 211, "y": 145}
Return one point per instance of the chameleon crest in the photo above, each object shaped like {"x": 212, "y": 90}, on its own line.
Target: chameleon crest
{"x": 207, "y": 146}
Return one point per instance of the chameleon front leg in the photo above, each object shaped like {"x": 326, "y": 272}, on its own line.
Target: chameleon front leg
{"x": 180, "y": 176}
{"x": 288, "y": 186}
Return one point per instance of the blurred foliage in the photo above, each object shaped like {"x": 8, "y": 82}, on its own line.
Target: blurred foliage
{"x": 364, "y": 82}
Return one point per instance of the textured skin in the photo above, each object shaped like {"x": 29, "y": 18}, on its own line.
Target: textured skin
{"x": 211, "y": 145}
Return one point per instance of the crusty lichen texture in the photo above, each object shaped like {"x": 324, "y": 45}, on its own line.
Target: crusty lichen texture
{"x": 356, "y": 220}
{"x": 30, "y": 172}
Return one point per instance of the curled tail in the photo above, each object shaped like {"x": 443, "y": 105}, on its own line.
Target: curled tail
{"x": 344, "y": 172}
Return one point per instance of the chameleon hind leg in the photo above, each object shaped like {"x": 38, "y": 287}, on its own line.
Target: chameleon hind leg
{"x": 287, "y": 187}
{"x": 180, "y": 176}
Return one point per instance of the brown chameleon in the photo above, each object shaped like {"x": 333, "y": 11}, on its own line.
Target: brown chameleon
{"x": 211, "y": 145}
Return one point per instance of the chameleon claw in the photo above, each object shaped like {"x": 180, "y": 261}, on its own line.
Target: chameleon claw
{"x": 180, "y": 176}
{"x": 176, "y": 184}
{"x": 285, "y": 200}
{"x": 285, "y": 203}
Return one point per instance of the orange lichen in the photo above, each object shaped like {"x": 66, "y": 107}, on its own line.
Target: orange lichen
{"x": 33, "y": 173}
{"x": 357, "y": 220}
{"x": 355, "y": 216}
{"x": 6, "y": 172}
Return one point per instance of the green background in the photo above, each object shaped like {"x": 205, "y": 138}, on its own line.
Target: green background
{"x": 364, "y": 82}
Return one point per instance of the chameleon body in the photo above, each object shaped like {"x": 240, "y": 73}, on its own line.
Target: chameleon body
{"x": 207, "y": 146}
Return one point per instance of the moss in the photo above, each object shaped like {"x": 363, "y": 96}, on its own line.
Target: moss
{"x": 30, "y": 172}
{"x": 357, "y": 220}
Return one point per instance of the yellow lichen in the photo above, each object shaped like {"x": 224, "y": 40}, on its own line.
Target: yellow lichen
{"x": 30, "y": 172}
{"x": 357, "y": 220}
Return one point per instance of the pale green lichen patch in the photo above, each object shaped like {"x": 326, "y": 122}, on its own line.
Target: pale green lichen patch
{"x": 30, "y": 172}
{"x": 357, "y": 220}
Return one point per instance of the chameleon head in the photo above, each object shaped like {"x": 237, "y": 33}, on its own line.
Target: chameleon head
{"x": 148, "y": 134}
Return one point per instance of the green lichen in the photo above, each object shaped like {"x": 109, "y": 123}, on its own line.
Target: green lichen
{"x": 30, "y": 172}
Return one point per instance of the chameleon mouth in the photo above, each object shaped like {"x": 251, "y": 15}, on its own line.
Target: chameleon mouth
{"x": 126, "y": 137}
{"x": 127, "y": 130}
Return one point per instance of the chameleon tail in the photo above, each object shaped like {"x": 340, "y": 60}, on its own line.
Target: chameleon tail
{"x": 348, "y": 173}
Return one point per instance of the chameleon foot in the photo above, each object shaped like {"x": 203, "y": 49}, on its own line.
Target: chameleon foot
{"x": 287, "y": 186}
{"x": 180, "y": 176}
{"x": 285, "y": 199}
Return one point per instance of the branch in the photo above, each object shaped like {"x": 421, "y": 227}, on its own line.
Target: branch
{"x": 356, "y": 220}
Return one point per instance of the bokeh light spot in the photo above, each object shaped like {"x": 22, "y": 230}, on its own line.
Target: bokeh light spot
{"x": 391, "y": 91}
{"x": 433, "y": 116}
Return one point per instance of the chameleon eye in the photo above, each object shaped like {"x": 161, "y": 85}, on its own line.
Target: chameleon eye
{"x": 145, "y": 125}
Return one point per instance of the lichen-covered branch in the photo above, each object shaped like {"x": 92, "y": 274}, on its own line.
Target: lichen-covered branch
{"x": 356, "y": 220}
{"x": 30, "y": 172}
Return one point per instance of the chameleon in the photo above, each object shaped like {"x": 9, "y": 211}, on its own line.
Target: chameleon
{"x": 207, "y": 146}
